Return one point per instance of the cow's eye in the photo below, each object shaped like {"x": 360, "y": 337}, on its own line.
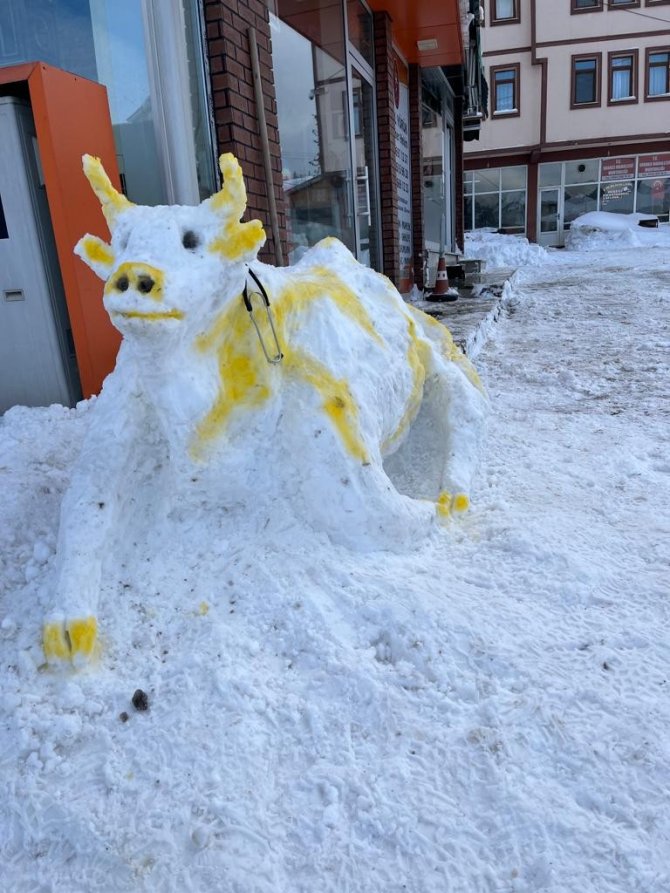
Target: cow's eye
{"x": 190, "y": 240}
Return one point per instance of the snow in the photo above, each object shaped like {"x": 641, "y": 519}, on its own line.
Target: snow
{"x": 503, "y": 251}
{"x": 486, "y": 712}
{"x": 601, "y": 229}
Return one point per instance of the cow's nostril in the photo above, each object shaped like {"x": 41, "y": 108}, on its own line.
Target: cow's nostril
{"x": 122, "y": 283}
{"x": 145, "y": 284}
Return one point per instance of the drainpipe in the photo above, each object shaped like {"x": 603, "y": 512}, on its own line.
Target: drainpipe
{"x": 536, "y": 154}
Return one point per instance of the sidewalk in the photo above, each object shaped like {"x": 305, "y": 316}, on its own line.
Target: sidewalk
{"x": 479, "y": 304}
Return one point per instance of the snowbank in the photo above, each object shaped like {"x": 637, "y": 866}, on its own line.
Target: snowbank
{"x": 602, "y": 231}
{"x": 502, "y": 251}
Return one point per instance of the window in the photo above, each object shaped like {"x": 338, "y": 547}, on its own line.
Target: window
{"x": 622, "y": 78}
{"x": 504, "y": 12}
{"x": 586, "y": 6}
{"x": 495, "y": 198}
{"x": 658, "y": 68}
{"x": 505, "y": 85}
{"x": 621, "y": 4}
{"x": 585, "y": 81}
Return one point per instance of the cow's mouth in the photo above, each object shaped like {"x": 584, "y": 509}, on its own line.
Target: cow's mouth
{"x": 149, "y": 316}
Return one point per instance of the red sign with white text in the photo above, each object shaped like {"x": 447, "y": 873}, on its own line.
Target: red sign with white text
{"x": 654, "y": 165}
{"x": 617, "y": 169}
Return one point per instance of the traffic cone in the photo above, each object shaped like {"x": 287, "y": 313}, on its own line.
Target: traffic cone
{"x": 442, "y": 292}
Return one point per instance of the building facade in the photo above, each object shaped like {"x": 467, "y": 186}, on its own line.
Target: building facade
{"x": 579, "y": 104}
{"x": 344, "y": 110}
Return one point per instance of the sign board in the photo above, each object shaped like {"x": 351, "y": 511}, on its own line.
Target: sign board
{"x": 612, "y": 192}
{"x": 617, "y": 169}
{"x": 402, "y": 164}
{"x": 654, "y": 165}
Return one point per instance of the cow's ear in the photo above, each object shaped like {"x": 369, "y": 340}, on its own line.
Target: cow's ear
{"x": 236, "y": 241}
{"x": 111, "y": 200}
{"x": 98, "y": 255}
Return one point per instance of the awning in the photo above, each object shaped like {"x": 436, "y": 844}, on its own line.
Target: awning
{"x": 427, "y": 32}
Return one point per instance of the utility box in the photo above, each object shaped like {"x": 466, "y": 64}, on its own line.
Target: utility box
{"x": 37, "y": 357}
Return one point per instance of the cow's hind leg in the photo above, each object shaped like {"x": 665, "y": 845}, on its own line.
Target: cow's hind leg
{"x": 438, "y": 457}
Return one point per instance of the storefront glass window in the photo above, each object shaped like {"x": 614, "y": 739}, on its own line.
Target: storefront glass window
{"x": 432, "y": 140}
{"x": 513, "y": 177}
{"x": 309, "y": 63}
{"x": 513, "y": 210}
{"x": 487, "y": 180}
{"x": 104, "y": 40}
{"x": 359, "y": 24}
{"x": 582, "y": 171}
{"x": 499, "y": 201}
{"x": 550, "y": 174}
{"x": 577, "y": 200}
{"x": 487, "y": 211}
{"x": 653, "y": 197}
{"x": 617, "y": 196}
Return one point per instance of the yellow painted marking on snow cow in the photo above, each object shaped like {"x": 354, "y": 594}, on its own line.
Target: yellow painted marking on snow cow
{"x": 238, "y": 239}
{"x": 111, "y": 200}
{"x": 448, "y": 503}
{"x": 55, "y": 643}
{"x": 151, "y": 317}
{"x": 338, "y": 402}
{"x": 418, "y": 359}
{"x": 449, "y": 349}
{"x": 243, "y": 372}
{"x": 320, "y": 282}
{"x": 61, "y": 643}
{"x": 97, "y": 251}
{"x": 135, "y": 272}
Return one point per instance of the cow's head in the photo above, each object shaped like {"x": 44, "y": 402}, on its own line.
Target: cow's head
{"x": 169, "y": 269}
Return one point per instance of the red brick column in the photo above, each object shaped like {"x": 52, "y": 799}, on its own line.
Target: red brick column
{"x": 417, "y": 172}
{"x": 384, "y": 79}
{"x": 235, "y": 114}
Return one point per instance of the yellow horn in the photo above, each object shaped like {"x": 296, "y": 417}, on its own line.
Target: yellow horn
{"x": 112, "y": 201}
{"x": 232, "y": 197}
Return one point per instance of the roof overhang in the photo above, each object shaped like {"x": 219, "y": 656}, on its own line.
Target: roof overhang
{"x": 427, "y": 32}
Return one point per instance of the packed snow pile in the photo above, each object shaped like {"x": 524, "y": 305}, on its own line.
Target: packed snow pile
{"x": 503, "y": 252}
{"x": 597, "y": 230}
{"x": 306, "y": 392}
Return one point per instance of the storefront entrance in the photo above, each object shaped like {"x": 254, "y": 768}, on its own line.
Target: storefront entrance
{"x": 322, "y": 63}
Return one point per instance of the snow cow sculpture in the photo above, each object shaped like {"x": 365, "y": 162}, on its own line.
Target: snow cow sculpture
{"x": 314, "y": 391}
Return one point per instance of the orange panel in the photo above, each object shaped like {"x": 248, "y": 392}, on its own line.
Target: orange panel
{"x": 426, "y": 20}
{"x": 72, "y": 117}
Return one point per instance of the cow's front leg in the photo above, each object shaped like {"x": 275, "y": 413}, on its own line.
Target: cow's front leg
{"x": 91, "y": 507}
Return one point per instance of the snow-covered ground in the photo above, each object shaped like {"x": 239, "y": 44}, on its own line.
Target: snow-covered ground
{"x": 487, "y": 713}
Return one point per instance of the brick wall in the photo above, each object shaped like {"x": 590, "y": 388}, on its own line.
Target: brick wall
{"x": 235, "y": 114}
{"x": 384, "y": 73}
{"x": 417, "y": 171}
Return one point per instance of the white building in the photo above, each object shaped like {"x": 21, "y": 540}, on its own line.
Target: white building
{"x": 579, "y": 114}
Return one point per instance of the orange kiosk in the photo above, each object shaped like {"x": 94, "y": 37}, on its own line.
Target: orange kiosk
{"x": 71, "y": 116}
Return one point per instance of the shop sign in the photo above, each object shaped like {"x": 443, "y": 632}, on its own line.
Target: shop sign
{"x": 617, "y": 168}
{"x": 654, "y": 165}
{"x": 401, "y": 91}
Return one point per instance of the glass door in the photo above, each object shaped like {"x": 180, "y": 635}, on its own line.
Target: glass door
{"x": 551, "y": 217}
{"x": 365, "y": 166}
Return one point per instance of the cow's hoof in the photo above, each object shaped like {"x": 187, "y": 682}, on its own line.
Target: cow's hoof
{"x": 450, "y": 503}
{"x": 70, "y": 641}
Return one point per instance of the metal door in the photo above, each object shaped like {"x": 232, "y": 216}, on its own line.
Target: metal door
{"x": 37, "y": 362}
{"x": 550, "y": 213}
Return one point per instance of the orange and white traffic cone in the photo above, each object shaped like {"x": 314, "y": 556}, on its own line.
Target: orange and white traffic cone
{"x": 442, "y": 292}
